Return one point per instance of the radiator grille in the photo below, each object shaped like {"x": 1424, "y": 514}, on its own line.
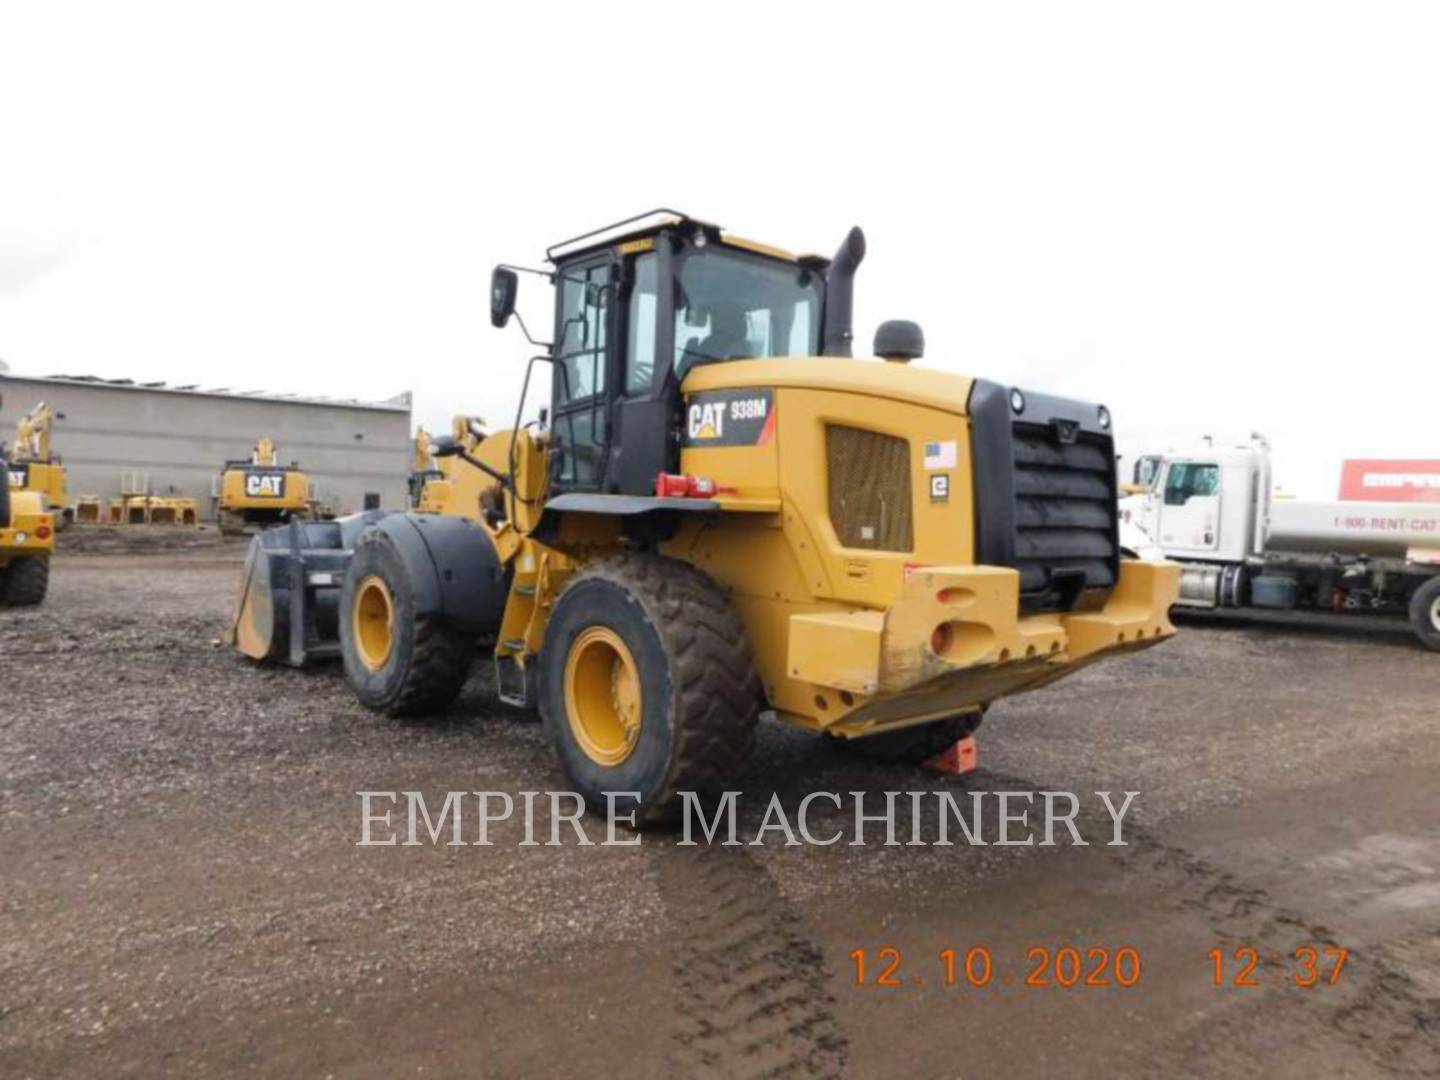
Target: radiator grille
{"x": 869, "y": 478}
{"x": 1065, "y": 513}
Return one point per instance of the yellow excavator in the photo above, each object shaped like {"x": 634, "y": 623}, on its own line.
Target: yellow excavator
{"x": 35, "y": 467}
{"x": 722, "y": 512}
{"x": 259, "y": 491}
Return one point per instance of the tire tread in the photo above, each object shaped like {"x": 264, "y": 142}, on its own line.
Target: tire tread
{"x": 717, "y": 693}
{"x": 439, "y": 668}
{"x": 1420, "y": 606}
{"x": 26, "y": 581}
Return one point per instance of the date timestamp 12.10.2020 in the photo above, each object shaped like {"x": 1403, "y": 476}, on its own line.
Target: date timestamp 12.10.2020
{"x": 1064, "y": 966}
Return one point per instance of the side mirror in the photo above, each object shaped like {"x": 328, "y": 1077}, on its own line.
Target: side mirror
{"x": 444, "y": 446}
{"x": 504, "y": 284}
{"x": 900, "y": 341}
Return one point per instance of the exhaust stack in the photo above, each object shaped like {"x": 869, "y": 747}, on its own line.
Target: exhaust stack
{"x": 840, "y": 295}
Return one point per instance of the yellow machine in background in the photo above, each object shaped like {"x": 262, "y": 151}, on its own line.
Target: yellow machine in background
{"x": 151, "y": 510}
{"x": 259, "y": 491}
{"x": 35, "y": 467}
{"x": 422, "y": 467}
{"x": 27, "y": 539}
{"x": 726, "y": 513}
{"x": 173, "y": 510}
{"x": 448, "y": 485}
{"x": 89, "y": 509}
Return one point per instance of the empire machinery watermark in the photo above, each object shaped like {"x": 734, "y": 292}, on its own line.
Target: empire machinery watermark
{"x": 821, "y": 818}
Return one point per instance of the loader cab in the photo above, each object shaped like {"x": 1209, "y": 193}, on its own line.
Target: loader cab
{"x": 634, "y": 313}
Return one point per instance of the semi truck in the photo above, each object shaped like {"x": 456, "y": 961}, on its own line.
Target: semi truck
{"x": 1213, "y": 510}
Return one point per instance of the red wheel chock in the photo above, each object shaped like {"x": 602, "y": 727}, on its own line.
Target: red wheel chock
{"x": 958, "y": 759}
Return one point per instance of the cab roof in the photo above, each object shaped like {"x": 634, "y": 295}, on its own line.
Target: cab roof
{"x": 646, "y": 225}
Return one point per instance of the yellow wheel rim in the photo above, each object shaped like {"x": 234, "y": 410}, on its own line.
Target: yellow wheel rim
{"x": 603, "y": 701}
{"x": 373, "y": 621}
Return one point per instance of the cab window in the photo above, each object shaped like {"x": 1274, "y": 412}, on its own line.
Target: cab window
{"x": 730, "y": 305}
{"x": 640, "y": 320}
{"x": 584, "y": 310}
{"x": 1188, "y": 480}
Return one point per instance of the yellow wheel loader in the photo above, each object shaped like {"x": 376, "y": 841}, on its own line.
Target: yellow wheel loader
{"x": 721, "y": 513}
{"x": 259, "y": 491}
{"x": 27, "y": 538}
{"x": 34, "y": 466}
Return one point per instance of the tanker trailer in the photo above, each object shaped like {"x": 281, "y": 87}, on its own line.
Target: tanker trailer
{"x": 1212, "y": 510}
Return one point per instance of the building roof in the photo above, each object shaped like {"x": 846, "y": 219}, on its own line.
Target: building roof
{"x": 398, "y": 403}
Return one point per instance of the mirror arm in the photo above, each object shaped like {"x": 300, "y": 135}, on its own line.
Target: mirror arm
{"x": 546, "y": 274}
{"x": 547, "y": 346}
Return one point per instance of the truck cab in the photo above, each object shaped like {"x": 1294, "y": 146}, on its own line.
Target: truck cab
{"x": 1198, "y": 504}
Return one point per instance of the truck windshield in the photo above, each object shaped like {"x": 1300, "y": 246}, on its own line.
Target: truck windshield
{"x": 734, "y": 306}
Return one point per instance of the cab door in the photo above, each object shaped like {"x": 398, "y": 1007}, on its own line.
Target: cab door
{"x": 584, "y": 351}
{"x": 642, "y": 443}
{"x": 1190, "y": 508}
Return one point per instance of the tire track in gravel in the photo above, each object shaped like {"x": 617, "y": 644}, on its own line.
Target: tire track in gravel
{"x": 1377, "y": 1007}
{"x": 752, "y": 998}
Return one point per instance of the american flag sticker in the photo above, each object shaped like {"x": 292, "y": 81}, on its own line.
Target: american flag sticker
{"x": 940, "y": 455}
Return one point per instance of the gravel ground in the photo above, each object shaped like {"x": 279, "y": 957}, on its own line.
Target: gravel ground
{"x": 183, "y": 893}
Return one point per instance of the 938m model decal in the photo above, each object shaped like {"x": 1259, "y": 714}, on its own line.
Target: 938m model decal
{"x": 729, "y": 418}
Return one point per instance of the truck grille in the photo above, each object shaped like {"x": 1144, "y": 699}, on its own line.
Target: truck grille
{"x": 1045, "y": 496}
{"x": 869, "y": 488}
{"x": 1065, "y": 510}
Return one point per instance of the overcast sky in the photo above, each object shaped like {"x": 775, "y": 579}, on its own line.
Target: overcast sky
{"x": 1215, "y": 218}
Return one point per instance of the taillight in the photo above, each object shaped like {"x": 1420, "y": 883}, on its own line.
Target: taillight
{"x": 43, "y": 532}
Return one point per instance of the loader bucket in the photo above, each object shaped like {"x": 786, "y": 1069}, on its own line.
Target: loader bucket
{"x": 289, "y": 599}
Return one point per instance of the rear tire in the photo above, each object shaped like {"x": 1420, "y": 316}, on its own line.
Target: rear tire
{"x": 660, "y": 640}
{"x": 914, "y": 745}
{"x": 26, "y": 581}
{"x": 1425, "y": 613}
{"x": 397, "y": 662}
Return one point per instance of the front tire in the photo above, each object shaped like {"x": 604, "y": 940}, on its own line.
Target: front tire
{"x": 1425, "y": 613}
{"x": 646, "y": 685}
{"x": 397, "y": 662}
{"x": 26, "y": 581}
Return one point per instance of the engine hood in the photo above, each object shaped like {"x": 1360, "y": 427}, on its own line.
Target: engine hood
{"x": 870, "y": 378}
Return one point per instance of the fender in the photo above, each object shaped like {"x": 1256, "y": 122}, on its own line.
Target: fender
{"x": 630, "y": 508}
{"x": 453, "y": 567}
